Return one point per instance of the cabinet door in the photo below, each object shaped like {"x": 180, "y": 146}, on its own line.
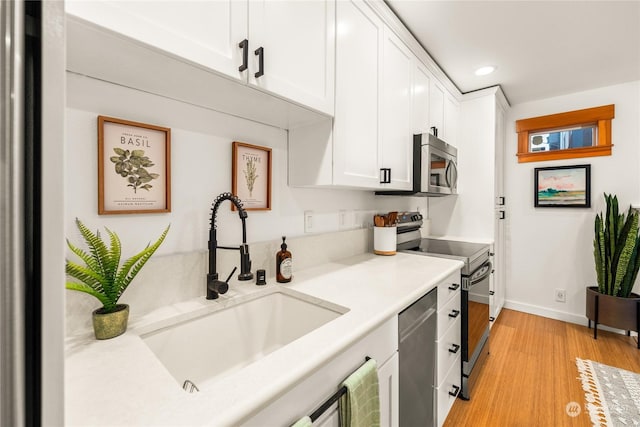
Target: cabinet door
{"x": 397, "y": 141}
{"x": 436, "y": 106}
{"x": 357, "y": 153}
{"x": 299, "y": 49}
{"x": 451, "y": 112}
{"x": 389, "y": 392}
{"x": 420, "y": 103}
{"x": 206, "y": 33}
{"x": 499, "y": 259}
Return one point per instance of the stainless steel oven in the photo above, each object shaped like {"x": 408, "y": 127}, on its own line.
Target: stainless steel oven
{"x": 475, "y": 323}
{"x": 476, "y": 273}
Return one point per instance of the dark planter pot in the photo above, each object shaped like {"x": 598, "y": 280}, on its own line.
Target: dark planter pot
{"x": 616, "y": 312}
{"x": 110, "y": 325}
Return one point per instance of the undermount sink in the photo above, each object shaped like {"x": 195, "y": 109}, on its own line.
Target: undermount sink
{"x": 204, "y": 348}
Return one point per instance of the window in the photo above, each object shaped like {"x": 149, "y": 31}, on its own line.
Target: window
{"x": 581, "y": 133}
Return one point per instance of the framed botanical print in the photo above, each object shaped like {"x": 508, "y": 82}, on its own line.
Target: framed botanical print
{"x": 251, "y": 175}
{"x": 134, "y": 167}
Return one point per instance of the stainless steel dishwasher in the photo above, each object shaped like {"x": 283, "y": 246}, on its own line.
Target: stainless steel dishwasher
{"x": 417, "y": 355}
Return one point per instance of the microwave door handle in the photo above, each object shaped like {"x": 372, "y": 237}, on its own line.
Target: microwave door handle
{"x": 446, "y": 174}
{"x": 454, "y": 175}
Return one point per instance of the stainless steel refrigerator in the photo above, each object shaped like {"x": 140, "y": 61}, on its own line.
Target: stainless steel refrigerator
{"x": 28, "y": 107}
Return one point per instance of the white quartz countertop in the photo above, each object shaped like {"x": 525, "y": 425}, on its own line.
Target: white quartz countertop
{"x": 120, "y": 382}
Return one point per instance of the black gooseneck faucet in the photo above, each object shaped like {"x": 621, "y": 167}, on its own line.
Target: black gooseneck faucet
{"x": 215, "y": 287}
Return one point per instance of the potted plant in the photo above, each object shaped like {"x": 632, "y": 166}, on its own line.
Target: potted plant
{"x": 103, "y": 277}
{"x": 616, "y": 250}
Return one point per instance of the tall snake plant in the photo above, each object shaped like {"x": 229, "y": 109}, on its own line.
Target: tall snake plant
{"x": 102, "y": 276}
{"x": 616, "y": 249}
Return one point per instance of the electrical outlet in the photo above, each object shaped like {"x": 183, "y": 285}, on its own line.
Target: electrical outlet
{"x": 561, "y": 295}
{"x": 308, "y": 221}
{"x": 342, "y": 219}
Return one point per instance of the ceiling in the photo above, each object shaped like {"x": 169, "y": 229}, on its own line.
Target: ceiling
{"x": 540, "y": 49}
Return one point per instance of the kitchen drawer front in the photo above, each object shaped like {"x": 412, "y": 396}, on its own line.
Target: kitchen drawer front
{"x": 446, "y": 358}
{"x": 452, "y": 383}
{"x": 448, "y": 288}
{"x": 449, "y": 314}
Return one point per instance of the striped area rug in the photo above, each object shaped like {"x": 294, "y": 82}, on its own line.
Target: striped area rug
{"x": 612, "y": 394}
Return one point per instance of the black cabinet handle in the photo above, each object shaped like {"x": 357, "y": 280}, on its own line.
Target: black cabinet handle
{"x": 454, "y": 287}
{"x": 454, "y": 348}
{"x": 244, "y": 45}
{"x": 385, "y": 175}
{"x": 454, "y": 313}
{"x": 492, "y": 293}
{"x": 260, "y": 53}
{"x": 434, "y": 130}
{"x": 455, "y": 391}
{"x": 501, "y": 201}
{"x": 502, "y": 215}
{"x": 491, "y": 319}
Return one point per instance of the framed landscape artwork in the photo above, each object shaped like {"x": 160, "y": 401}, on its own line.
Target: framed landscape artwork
{"x": 563, "y": 186}
{"x": 251, "y": 176}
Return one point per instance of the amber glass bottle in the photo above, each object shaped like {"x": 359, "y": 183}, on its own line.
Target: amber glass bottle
{"x": 283, "y": 263}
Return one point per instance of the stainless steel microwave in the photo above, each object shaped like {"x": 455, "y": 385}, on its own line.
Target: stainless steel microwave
{"x": 435, "y": 168}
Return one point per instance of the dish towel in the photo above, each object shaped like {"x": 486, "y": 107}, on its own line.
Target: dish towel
{"x": 360, "y": 406}
{"x": 303, "y": 422}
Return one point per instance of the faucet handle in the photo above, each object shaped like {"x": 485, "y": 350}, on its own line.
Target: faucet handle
{"x": 217, "y": 287}
{"x": 223, "y": 287}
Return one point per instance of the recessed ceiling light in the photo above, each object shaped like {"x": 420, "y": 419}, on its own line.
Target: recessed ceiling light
{"x": 483, "y": 71}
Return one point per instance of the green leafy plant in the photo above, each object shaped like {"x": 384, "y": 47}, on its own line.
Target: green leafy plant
{"x": 102, "y": 276}
{"x": 132, "y": 165}
{"x": 616, "y": 249}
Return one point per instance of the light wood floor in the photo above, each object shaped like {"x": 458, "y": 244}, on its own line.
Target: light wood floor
{"x": 530, "y": 375}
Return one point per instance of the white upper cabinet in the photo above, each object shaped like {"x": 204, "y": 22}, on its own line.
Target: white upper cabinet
{"x": 449, "y": 132}
{"x": 396, "y": 106}
{"x": 298, "y": 42}
{"x": 443, "y": 113}
{"x": 206, "y": 33}
{"x": 356, "y": 149}
{"x": 420, "y": 104}
{"x": 436, "y": 107}
{"x": 296, "y": 39}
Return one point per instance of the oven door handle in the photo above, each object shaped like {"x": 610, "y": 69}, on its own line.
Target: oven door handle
{"x": 475, "y": 280}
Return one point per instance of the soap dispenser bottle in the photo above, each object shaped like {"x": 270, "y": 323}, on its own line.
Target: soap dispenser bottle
{"x": 283, "y": 263}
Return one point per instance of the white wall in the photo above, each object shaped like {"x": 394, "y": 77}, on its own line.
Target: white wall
{"x": 551, "y": 248}
{"x": 200, "y": 170}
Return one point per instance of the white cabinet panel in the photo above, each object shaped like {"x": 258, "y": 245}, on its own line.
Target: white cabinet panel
{"x": 299, "y": 49}
{"x": 420, "y": 105}
{"x": 449, "y": 314}
{"x": 436, "y": 106}
{"x": 447, "y": 391}
{"x": 450, "y": 128}
{"x": 449, "y": 349}
{"x": 448, "y": 289}
{"x": 449, "y": 333}
{"x": 297, "y": 37}
{"x": 358, "y": 64}
{"x": 389, "y": 392}
{"x": 397, "y": 143}
{"x": 206, "y": 33}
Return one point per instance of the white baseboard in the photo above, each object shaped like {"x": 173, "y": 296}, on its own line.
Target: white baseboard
{"x": 557, "y": 315}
